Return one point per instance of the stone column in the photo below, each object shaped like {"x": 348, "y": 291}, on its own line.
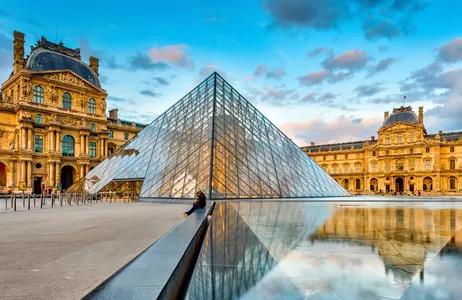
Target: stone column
{"x": 87, "y": 144}
{"x": 101, "y": 148}
{"x": 52, "y": 174}
{"x": 23, "y": 138}
{"x": 82, "y": 170}
{"x": 51, "y": 142}
{"x": 58, "y": 139}
{"x": 31, "y": 139}
{"x": 58, "y": 173}
{"x": 23, "y": 170}
{"x": 82, "y": 144}
{"x": 9, "y": 173}
{"x": 17, "y": 140}
{"x": 29, "y": 173}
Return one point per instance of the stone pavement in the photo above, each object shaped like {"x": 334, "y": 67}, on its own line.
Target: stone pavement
{"x": 64, "y": 253}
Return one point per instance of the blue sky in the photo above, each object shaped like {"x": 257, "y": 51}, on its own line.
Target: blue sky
{"x": 322, "y": 71}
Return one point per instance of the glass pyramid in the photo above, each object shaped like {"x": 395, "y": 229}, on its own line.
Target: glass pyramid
{"x": 214, "y": 140}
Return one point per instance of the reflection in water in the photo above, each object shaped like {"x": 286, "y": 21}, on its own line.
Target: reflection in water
{"x": 296, "y": 250}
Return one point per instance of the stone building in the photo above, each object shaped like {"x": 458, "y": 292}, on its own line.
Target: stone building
{"x": 404, "y": 158}
{"x": 53, "y": 123}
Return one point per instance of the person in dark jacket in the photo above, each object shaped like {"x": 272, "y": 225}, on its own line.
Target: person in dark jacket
{"x": 200, "y": 202}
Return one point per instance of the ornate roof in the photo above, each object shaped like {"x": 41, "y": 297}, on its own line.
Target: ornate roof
{"x": 48, "y": 56}
{"x": 402, "y": 114}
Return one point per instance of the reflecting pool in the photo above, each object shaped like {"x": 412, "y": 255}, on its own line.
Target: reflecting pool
{"x": 308, "y": 250}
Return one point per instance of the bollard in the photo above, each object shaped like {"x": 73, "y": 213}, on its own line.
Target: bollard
{"x": 23, "y": 199}
{"x": 41, "y": 200}
{"x": 14, "y": 200}
{"x": 34, "y": 199}
{"x": 52, "y": 200}
{"x": 60, "y": 199}
{"x": 28, "y": 202}
{"x": 78, "y": 198}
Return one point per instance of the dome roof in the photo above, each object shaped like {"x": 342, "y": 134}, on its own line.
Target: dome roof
{"x": 46, "y": 60}
{"x": 402, "y": 114}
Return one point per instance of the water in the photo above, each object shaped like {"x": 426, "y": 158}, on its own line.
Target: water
{"x": 307, "y": 250}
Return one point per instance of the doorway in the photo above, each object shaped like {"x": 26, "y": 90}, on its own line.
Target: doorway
{"x": 399, "y": 185}
{"x": 37, "y": 188}
{"x": 67, "y": 177}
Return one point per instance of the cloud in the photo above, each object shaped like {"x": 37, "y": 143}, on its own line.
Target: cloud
{"x": 343, "y": 129}
{"x": 376, "y": 16}
{"x": 452, "y": 51}
{"x": 382, "y": 48}
{"x": 161, "y": 80}
{"x": 215, "y": 19}
{"x": 446, "y": 116}
{"x": 150, "y": 93}
{"x": 367, "y": 90}
{"x": 120, "y": 100}
{"x": 339, "y": 76}
{"x": 320, "y": 51}
{"x": 272, "y": 95}
{"x": 351, "y": 60}
{"x": 276, "y": 73}
{"x": 106, "y": 60}
{"x": 208, "y": 70}
{"x": 174, "y": 54}
{"x": 327, "y": 100}
{"x": 144, "y": 62}
{"x": 383, "y": 65}
{"x": 261, "y": 69}
{"x": 314, "y": 78}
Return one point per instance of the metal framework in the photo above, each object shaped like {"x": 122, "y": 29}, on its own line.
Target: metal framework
{"x": 214, "y": 140}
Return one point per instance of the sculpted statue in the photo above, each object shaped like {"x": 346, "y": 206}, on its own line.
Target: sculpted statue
{"x": 54, "y": 95}
{"x": 83, "y": 123}
{"x": 54, "y": 117}
{"x": 25, "y": 87}
{"x": 103, "y": 105}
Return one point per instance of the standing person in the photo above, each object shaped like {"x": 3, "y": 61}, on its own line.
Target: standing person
{"x": 200, "y": 202}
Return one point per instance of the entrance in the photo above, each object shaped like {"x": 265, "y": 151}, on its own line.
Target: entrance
{"x": 2, "y": 174}
{"x": 37, "y": 188}
{"x": 399, "y": 185}
{"x": 67, "y": 177}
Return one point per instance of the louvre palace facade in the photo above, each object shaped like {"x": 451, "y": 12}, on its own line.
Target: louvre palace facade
{"x": 53, "y": 123}
{"x": 403, "y": 159}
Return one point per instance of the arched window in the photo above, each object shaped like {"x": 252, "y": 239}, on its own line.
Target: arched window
{"x": 38, "y": 94}
{"x": 427, "y": 184}
{"x": 411, "y": 151}
{"x": 427, "y": 150}
{"x": 68, "y": 145}
{"x": 374, "y": 184}
{"x": 67, "y": 101}
{"x": 452, "y": 183}
{"x": 451, "y": 149}
{"x": 358, "y": 184}
{"x": 92, "y": 106}
{"x": 92, "y": 127}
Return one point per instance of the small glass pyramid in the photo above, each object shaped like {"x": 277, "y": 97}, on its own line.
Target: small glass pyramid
{"x": 214, "y": 140}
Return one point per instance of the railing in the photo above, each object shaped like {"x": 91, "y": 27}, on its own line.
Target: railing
{"x": 28, "y": 201}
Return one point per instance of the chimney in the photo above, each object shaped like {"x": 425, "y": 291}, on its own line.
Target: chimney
{"x": 421, "y": 114}
{"x": 311, "y": 143}
{"x": 440, "y": 132}
{"x": 18, "y": 51}
{"x": 94, "y": 64}
{"x": 372, "y": 138}
{"x": 385, "y": 114}
{"x": 113, "y": 114}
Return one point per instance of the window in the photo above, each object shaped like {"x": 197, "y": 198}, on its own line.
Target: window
{"x": 411, "y": 164}
{"x": 345, "y": 169}
{"x": 451, "y": 149}
{"x": 427, "y": 150}
{"x": 373, "y": 166}
{"x": 411, "y": 138}
{"x": 111, "y": 134}
{"x": 399, "y": 138}
{"x": 358, "y": 184}
{"x": 388, "y": 152}
{"x": 427, "y": 165}
{"x": 335, "y": 157}
{"x": 452, "y": 164}
{"x": 38, "y": 119}
{"x": 324, "y": 157}
{"x": 399, "y": 165}
{"x": 452, "y": 183}
{"x": 346, "y": 156}
{"x": 38, "y": 145}
{"x": 92, "y": 106}
{"x": 38, "y": 94}
{"x": 334, "y": 169}
{"x": 411, "y": 151}
{"x": 373, "y": 153}
{"x": 67, "y": 101}
{"x": 126, "y": 136}
{"x": 92, "y": 151}
{"x": 387, "y": 140}
{"x": 358, "y": 168}
{"x": 92, "y": 127}
{"x": 68, "y": 145}
{"x": 387, "y": 166}
{"x": 110, "y": 150}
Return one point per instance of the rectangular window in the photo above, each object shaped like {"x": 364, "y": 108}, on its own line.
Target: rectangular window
{"x": 373, "y": 167}
{"x": 400, "y": 138}
{"x": 38, "y": 145}
{"x": 411, "y": 164}
{"x": 452, "y": 183}
{"x": 399, "y": 166}
{"x": 92, "y": 149}
{"x": 427, "y": 165}
{"x": 111, "y": 134}
{"x": 126, "y": 136}
{"x": 334, "y": 169}
{"x": 452, "y": 164}
{"x": 38, "y": 118}
{"x": 345, "y": 169}
{"x": 387, "y": 166}
{"x": 358, "y": 168}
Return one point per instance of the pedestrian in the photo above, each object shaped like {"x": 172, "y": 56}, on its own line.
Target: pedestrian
{"x": 200, "y": 202}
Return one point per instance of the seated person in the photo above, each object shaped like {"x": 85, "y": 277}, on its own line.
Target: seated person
{"x": 200, "y": 202}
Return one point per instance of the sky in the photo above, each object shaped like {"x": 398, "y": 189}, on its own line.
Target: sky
{"x": 322, "y": 71}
